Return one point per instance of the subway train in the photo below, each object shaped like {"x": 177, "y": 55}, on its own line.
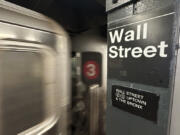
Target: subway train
{"x": 35, "y": 73}
{"x": 89, "y": 71}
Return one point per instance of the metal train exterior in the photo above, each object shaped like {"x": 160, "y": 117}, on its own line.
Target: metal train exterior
{"x": 34, "y": 54}
{"x": 89, "y": 84}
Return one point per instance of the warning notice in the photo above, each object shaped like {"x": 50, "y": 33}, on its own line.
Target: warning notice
{"x": 137, "y": 102}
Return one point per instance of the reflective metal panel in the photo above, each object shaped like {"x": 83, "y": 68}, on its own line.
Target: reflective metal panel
{"x": 34, "y": 54}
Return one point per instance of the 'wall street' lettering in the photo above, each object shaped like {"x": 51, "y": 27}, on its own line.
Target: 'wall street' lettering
{"x": 140, "y": 33}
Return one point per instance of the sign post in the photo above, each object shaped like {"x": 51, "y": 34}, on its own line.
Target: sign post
{"x": 142, "y": 54}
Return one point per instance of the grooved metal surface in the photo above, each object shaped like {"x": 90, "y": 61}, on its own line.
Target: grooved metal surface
{"x": 148, "y": 5}
{"x": 111, "y": 4}
{"x": 136, "y": 8}
{"x": 120, "y": 13}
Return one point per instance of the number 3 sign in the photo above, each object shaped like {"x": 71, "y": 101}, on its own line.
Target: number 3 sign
{"x": 91, "y": 66}
{"x": 91, "y": 69}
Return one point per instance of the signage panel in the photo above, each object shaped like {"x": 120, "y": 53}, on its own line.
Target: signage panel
{"x": 136, "y": 102}
{"x": 140, "y": 49}
{"x": 91, "y": 68}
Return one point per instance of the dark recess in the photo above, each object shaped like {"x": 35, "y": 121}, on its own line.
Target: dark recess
{"x": 75, "y": 15}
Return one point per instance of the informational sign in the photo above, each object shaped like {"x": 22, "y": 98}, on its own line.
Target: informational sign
{"x": 91, "y": 68}
{"x": 140, "y": 49}
{"x": 136, "y": 102}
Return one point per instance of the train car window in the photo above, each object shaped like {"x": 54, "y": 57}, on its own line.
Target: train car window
{"x": 22, "y": 90}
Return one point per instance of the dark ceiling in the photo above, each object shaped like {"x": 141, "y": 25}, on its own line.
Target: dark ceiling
{"x": 75, "y": 15}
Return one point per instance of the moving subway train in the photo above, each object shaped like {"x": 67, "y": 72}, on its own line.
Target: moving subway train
{"x": 36, "y": 96}
{"x": 35, "y": 73}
